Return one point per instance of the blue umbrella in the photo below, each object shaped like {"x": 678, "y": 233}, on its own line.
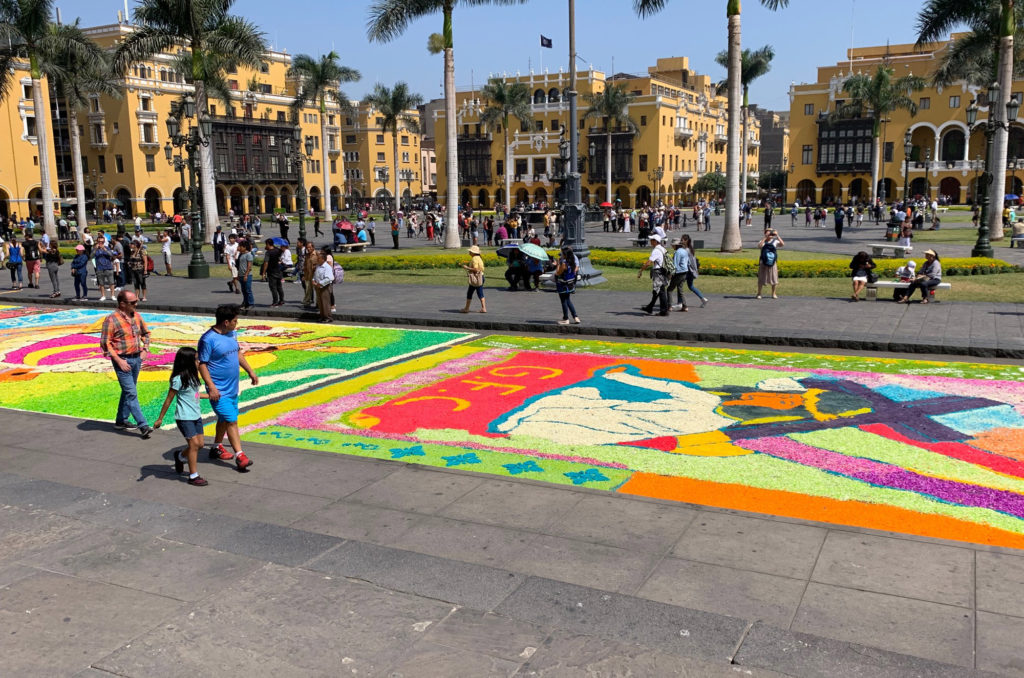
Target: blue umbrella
{"x": 1011, "y": 196}
{"x": 506, "y": 250}
{"x": 280, "y": 242}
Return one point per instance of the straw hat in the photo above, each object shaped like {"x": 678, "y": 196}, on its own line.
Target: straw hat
{"x": 474, "y": 250}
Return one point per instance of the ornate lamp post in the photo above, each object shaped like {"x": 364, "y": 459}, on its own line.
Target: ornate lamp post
{"x": 406, "y": 175}
{"x": 927, "y": 177}
{"x": 908, "y": 146}
{"x": 298, "y": 161}
{"x": 383, "y": 174}
{"x": 978, "y": 165}
{"x": 655, "y": 176}
{"x": 190, "y": 141}
{"x": 1014, "y": 162}
{"x": 983, "y": 248}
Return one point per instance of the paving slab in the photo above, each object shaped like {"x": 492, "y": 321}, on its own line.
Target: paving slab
{"x": 569, "y": 655}
{"x": 304, "y": 622}
{"x": 646, "y": 527}
{"x": 811, "y": 656}
{"x": 282, "y": 545}
{"x": 459, "y": 583}
{"x": 577, "y": 609}
{"x": 58, "y": 625}
{"x": 515, "y": 505}
{"x": 582, "y": 562}
{"x": 413, "y": 488}
{"x": 999, "y": 643}
{"x": 1000, "y": 583}
{"x": 430, "y": 660}
{"x": 942, "y": 633}
{"x": 769, "y": 546}
{"x": 487, "y": 633}
{"x": 941, "y": 574}
{"x": 489, "y": 545}
{"x": 714, "y": 588}
{"x": 362, "y": 522}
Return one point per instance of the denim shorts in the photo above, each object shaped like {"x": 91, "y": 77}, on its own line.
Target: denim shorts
{"x": 190, "y": 428}
{"x": 226, "y": 408}
{"x": 105, "y": 278}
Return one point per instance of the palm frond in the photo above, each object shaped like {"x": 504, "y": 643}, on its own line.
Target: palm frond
{"x": 937, "y": 17}
{"x": 435, "y": 43}
{"x": 388, "y": 19}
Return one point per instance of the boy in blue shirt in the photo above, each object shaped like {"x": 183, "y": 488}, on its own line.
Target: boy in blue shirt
{"x": 219, "y": 361}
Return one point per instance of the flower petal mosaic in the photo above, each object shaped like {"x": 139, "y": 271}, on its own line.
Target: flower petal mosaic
{"x": 51, "y": 361}
{"x": 919, "y": 447}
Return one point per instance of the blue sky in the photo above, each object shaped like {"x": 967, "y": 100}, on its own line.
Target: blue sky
{"x": 807, "y": 34}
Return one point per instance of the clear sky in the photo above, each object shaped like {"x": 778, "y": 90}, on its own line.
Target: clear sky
{"x": 807, "y": 34}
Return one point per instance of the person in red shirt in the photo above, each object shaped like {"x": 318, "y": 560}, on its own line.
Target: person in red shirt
{"x": 124, "y": 338}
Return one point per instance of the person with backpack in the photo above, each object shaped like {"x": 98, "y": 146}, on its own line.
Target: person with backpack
{"x": 566, "y": 272}
{"x": 681, "y": 266}
{"x": 768, "y": 263}
{"x": 53, "y": 261}
{"x": 839, "y": 215}
{"x": 659, "y": 277}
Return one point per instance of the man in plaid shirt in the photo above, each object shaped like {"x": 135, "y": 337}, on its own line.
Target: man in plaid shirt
{"x": 124, "y": 338}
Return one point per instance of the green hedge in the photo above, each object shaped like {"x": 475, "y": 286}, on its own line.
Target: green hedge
{"x": 830, "y": 268}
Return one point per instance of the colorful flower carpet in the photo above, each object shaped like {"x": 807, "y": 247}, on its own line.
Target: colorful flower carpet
{"x": 928, "y": 448}
{"x": 51, "y": 361}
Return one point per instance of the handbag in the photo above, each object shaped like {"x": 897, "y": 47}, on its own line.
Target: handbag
{"x": 476, "y": 278}
{"x": 872, "y": 277}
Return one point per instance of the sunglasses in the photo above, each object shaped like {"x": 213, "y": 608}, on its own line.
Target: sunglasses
{"x": 132, "y": 303}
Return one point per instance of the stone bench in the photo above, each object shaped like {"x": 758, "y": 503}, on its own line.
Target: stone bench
{"x": 350, "y": 247}
{"x": 873, "y": 288}
{"x": 1019, "y": 241}
{"x": 878, "y": 249}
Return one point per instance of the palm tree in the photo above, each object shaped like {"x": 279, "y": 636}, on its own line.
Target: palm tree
{"x": 394, "y": 105}
{"x": 995, "y": 21}
{"x": 30, "y": 36}
{"x": 876, "y": 95}
{"x": 753, "y": 64}
{"x": 320, "y": 82}
{"x": 506, "y": 100}
{"x": 731, "y": 240}
{"x": 610, "y": 105}
{"x": 74, "y": 79}
{"x": 210, "y": 40}
{"x": 388, "y": 20}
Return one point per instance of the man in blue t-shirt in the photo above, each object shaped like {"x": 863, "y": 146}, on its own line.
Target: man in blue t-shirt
{"x": 219, "y": 360}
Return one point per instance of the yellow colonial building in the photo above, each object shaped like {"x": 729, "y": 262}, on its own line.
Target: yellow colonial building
{"x": 681, "y": 136}
{"x": 20, "y": 192}
{"x": 123, "y": 144}
{"x": 831, "y": 161}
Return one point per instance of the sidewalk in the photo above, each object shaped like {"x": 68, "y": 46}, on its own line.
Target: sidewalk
{"x": 322, "y": 564}
{"x": 988, "y": 330}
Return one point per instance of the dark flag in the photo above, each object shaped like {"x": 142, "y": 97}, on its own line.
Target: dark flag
{"x": 545, "y": 42}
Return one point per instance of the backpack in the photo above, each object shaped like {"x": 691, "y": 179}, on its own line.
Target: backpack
{"x": 670, "y": 265}
{"x": 768, "y": 254}
{"x": 339, "y": 274}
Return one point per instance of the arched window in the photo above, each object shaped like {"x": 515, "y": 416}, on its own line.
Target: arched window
{"x": 553, "y": 95}
{"x": 538, "y": 96}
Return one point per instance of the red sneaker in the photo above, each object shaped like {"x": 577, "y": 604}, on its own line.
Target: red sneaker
{"x": 242, "y": 462}
{"x": 218, "y": 452}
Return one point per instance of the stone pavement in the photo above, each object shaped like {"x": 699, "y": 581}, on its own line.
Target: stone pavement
{"x": 322, "y": 564}
{"x": 954, "y": 328}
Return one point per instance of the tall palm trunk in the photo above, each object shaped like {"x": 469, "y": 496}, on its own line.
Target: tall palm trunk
{"x": 451, "y": 213}
{"x": 608, "y": 168}
{"x": 76, "y": 164}
{"x": 394, "y": 137}
{"x": 744, "y": 186}
{"x": 508, "y": 179}
{"x": 326, "y": 195}
{"x": 997, "y": 111}
{"x": 731, "y": 239}
{"x": 207, "y": 180}
{"x": 43, "y": 140}
{"x": 876, "y": 160}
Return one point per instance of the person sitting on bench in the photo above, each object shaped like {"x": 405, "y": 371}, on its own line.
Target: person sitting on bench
{"x": 927, "y": 280}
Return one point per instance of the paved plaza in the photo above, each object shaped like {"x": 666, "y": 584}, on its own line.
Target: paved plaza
{"x": 584, "y": 505}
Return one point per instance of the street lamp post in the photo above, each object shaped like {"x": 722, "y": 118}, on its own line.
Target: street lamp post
{"x": 977, "y": 171}
{"x": 655, "y": 176}
{"x": 908, "y": 146}
{"x": 927, "y": 176}
{"x": 298, "y": 161}
{"x": 406, "y": 175}
{"x": 97, "y": 181}
{"x": 190, "y": 141}
{"x": 983, "y": 248}
{"x": 383, "y": 174}
{"x": 1013, "y": 181}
